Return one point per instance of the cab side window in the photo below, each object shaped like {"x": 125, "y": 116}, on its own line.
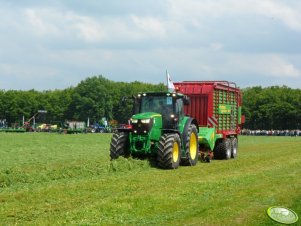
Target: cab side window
{"x": 179, "y": 108}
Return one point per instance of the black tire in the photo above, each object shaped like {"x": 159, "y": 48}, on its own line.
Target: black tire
{"x": 191, "y": 147}
{"x": 216, "y": 153}
{"x": 119, "y": 145}
{"x": 223, "y": 149}
{"x": 234, "y": 147}
{"x": 169, "y": 151}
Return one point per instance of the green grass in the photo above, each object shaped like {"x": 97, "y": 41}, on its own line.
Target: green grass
{"x": 52, "y": 179}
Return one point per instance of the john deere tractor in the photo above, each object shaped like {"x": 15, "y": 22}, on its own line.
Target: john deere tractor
{"x": 160, "y": 129}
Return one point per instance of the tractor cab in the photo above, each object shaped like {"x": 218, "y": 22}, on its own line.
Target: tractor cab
{"x": 169, "y": 105}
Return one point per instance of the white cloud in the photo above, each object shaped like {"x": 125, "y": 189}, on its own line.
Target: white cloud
{"x": 39, "y": 24}
{"x": 64, "y": 24}
{"x": 86, "y": 27}
{"x": 6, "y": 69}
{"x": 279, "y": 67}
{"x": 149, "y": 26}
{"x": 262, "y": 65}
{"x": 289, "y": 15}
{"x": 198, "y": 13}
{"x": 216, "y": 46}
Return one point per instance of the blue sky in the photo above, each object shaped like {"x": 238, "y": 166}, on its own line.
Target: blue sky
{"x": 55, "y": 44}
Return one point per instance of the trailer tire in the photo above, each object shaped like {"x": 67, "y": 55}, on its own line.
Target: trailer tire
{"x": 226, "y": 150}
{"x": 234, "y": 147}
{"x": 169, "y": 151}
{"x": 119, "y": 145}
{"x": 216, "y": 152}
{"x": 223, "y": 149}
{"x": 191, "y": 147}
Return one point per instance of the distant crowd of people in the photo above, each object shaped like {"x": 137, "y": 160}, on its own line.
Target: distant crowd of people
{"x": 271, "y": 132}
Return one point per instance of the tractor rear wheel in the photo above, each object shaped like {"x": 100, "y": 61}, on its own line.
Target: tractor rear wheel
{"x": 223, "y": 149}
{"x": 169, "y": 151}
{"x": 119, "y": 145}
{"x": 191, "y": 147}
{"x": 234, "y": 146}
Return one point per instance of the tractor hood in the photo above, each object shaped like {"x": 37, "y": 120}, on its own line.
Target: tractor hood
{"x": 146, "y": 115}
{"x": 147, "y": 123}
{"x": 151, "y": 118}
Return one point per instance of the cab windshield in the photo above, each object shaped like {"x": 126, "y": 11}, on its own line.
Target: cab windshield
{"x": 159, "y": 104}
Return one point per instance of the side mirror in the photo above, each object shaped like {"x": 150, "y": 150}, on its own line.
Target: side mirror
{"x": 186, "y": 100}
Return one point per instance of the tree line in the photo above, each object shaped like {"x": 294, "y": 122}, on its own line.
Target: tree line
{"x": 272, "y": 108}
{"x": 94, "y": 98}
{"x": 97, "y": 97}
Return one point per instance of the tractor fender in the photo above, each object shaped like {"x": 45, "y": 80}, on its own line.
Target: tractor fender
{"x": 185, "y": 130}
{"x": 171, "y": 131}
{"x": 124, "y": 130}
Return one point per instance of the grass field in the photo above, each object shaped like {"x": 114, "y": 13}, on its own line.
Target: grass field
{"x": 52, "y": 179}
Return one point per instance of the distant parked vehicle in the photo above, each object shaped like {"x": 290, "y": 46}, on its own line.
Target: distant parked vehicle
{"x": 97, "y": 128}
{"x": 72, "y": 127}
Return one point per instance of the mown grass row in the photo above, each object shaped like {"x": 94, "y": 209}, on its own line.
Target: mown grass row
{"x": 68, "y": 179}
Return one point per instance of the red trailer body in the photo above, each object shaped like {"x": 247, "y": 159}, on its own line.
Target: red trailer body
{"x": 214, "y": 104}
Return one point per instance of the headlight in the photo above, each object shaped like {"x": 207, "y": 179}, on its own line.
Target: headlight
{"x": 145, "y": 121}
{"x": 134, "y": 120}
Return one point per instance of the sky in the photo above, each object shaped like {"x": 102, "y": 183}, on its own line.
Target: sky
{"x": 55, "y": 44}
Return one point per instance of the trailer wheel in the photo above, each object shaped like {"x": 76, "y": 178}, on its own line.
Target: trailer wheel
{"x": 234, "y": 146}
{"x": 223, "y": 149}
{"x": 119, "y": 145}
{"x": 169, "y": 151}
{"x": 226, "y": 150}
{"x": 191, "y": 147}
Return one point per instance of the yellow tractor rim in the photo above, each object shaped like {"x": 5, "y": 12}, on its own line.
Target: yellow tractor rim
{"x": 193, "y": 146}
{"x": 175, "y": 152}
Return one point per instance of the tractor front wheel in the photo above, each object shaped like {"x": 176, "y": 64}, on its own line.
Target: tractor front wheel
{"x": 169, "y": 151}
{"x": 119, "y": 145}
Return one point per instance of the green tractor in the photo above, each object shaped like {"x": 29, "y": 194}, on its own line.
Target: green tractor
{"x": 159, "y": 128}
